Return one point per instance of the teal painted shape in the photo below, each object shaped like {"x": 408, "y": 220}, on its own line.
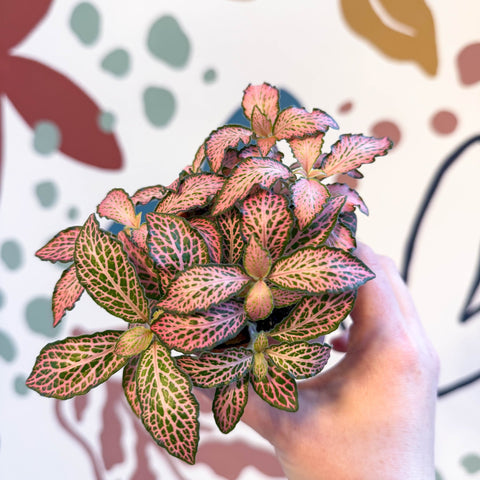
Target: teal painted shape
{"x": 159, "y": 105}
{"x": 438, "y": 476}
{"x": 19, "y": 385}
{"x": 210, "y": 75}
{"x": 11, "y": 254}
{"x": 85, "y": 23}
{"x": 47, "y": 193}
{"x": 2, "y": 299}
{"x": 117, "y": 62}
{"x": 471, "y": 463}
{"x": 40, "y": 318}
{"x": 167, "y": 42}
{"x": 46, "y": 137}
{"x": 8, "y": 351}
{"x": 72, "y": 213}
{"x": 106, "y": 121}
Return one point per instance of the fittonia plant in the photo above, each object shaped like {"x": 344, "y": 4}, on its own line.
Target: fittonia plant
{"x": 244, "y": 263}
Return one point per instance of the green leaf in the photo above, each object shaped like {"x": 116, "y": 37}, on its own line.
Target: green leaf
{"x": 129, "y": 384}
{"x": 134, "y": 341}
{"x": 229, "y": 404}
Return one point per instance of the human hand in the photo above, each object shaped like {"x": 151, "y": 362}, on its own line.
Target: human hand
{"x": 372, "y": 415}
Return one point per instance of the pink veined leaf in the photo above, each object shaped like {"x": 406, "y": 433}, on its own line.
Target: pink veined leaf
{"x": 199, "y": 158}
{"x": 139, "y": 237}
{"x": 341, "y": 237}
{"x": 229, "y": 404}
{"x": 107, "y": 275}
{"x": 349, "y": 220}
{"x": 208, "y": 230}
{"x": 285, "y": 298}
{"x": 214, "y": 369}
{"x": 259, "y": 301}
{"x": 229, "y": 225}
{"x": 265, "y": 145}
{"x": 66, "y": 293}
{"x": 278, "y": 389}
{"x": 61, "y": 247}
{"x": 267, "y": 216}
{"x": 75, "y": 365}
{"x": 118, "y": 207}
{"x": 200, "y": 287}
{"x": 174, "y": 185}
{"x": 264, "y": 97}
{"x": 223, "y": 138}
{"x": 353, "y": 199}
{"x": 307, "y": 150}
{"x": 261, "y": 125}
{"x": 309, "y": 197}
{"x": 320, "y": 270}
{"x": 230, "y": 160}
{"x": 252, "y": 171}
{"x": 195, "y": 192}
{"x": 318, "y": 231}
{"x": 256, "y": 261}
{"x": 173, "y": 244}
{"x": 133, "y": 341}
{"x": 254, "y": 151}
{"x": 352, "y": 151}
{"x": 129, "y": 385}
{"x": 147, "y": 194}
{"x": 191, "y": 333}
{"x": 143, "y": 265}
{"x": 296, "y": 122}
{"x": 300, "y": 359}
{"x": 314, "y": 316}
{"x": 169, "y": 410}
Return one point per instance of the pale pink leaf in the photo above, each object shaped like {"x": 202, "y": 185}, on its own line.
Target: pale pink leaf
{"x": 200, "y": 287}
{"x": 259, "y": 301}
{"x": 147, "y": 194}
{"x": 169, "y": 410}
{"x": 285, "y": 298}
{"x": 229, "y": 225}
{"x": 320, "y": 270}
{"x": 261, "y": 125}
{"x": 209, "y": 231}
{"x": 213, "y": 369}
{"x": 229, "y": 403}
{"x": 118, "y": 206}
{"x": 314, "y": 316}
{"x": 66, "y": 293}
{"x": 254, "y": 151}
{"x": 190, "y": 333}
{"x": 107, "y": 275}
{"x": 264, "y": 97}
{"x": 223, "y": 138}
{"x": 61, "y": 247}
{"x": 265, "y": 144}
{"x": 139, "y": 237}
{"x": 199, "y": 158}
{"x": 309, "y": 197}
{"x": 352, "y": 151}
{"x": 307, "y": 150}
{"x": 129, "y": 384}
{"x": 353, "y": 199}
{"x": 75, "y": 365}
{"x": 134, "y": 341}
{"x": 257, "y": 261}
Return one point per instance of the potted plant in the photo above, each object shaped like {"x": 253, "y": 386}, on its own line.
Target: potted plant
{"x": 242, "y": 266}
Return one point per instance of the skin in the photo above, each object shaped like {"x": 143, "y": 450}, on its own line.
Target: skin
{"x": 372, "y": 415}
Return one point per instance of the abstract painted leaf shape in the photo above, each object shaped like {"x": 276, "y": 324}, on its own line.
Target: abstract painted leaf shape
{"x": 129, "y": 385}
{"x": 61, "y": 247}
{"x": 40, "y": 93}
{"x": 118, "y": 207}
{"x": 320, "y": 270}
{"x": 314, "y": 316}
{"x": 214, "y": 369}
{"x": 195, "y": 192}
{"x": 401, "y": 30}
{"x": 259, "y": 301}
{"x": 229, "y": 404}
{"x": 264, "y": 97}
{"x": 284, "y": 298}
{"x": 256, "y": 260}
{"x": 352, "y": 151}
{"x": 133, "y": 341}
{"x": 300, "y": 359}
{"x": 267, "y": 216}
{"x": 75, "y": 365}
{"x": 66, "y": 293}
{"x": 107, "y": 275}
{"x": 208, "y": 230}
{"x": 147, "y": 194}
{"x": 277, "y": 388}
{"x": 307, "y": 150}
{"x": 200, "y": 287}
{"x": 203, "y": 330}
{"x": 225, "y": 137}
{"x": 229, "y": 225}
{"x": 199, "y": 158}
{"x": 252, "y": 171}
{"x": 353, "y": 199}
{"x": 296, "y": 122}
{"x": 173, "y": 244}
{"x": 169, "y": 410}
{"x": 309, "y": 196}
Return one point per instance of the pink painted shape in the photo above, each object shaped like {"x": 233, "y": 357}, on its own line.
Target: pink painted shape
{"x": 468, "y": 64}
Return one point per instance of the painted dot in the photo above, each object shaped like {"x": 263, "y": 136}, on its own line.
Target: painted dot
{"x": 438, "y": 476}
{"x": 345, "y": 107}
{"x": 444, "y": 122}
{"x": 159, "y": 106}
{"x": 8, "y": 350}
{"x": 39, "y": 317}
{"x": 85, "y": 23}
{"x": 468, "y": 64}
{"x": 106, "y": 121}
{"x": 471, "y": 463}
{"x": 387, "y": 128}
{"x": 11, "y": 254}
{"x": 47, "y": 193}
{"x": 2, "y": 299}
{"x": 117, "y": 62}
{"x": 19, "y": 385}
{"x": 72, "y": 213}
{"x": 167, "y": 42}
{"x": 46, "y": 137}
{"x": 209, "y": 75}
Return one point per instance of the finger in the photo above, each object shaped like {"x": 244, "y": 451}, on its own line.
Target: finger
{"x": 340, "y": 343}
